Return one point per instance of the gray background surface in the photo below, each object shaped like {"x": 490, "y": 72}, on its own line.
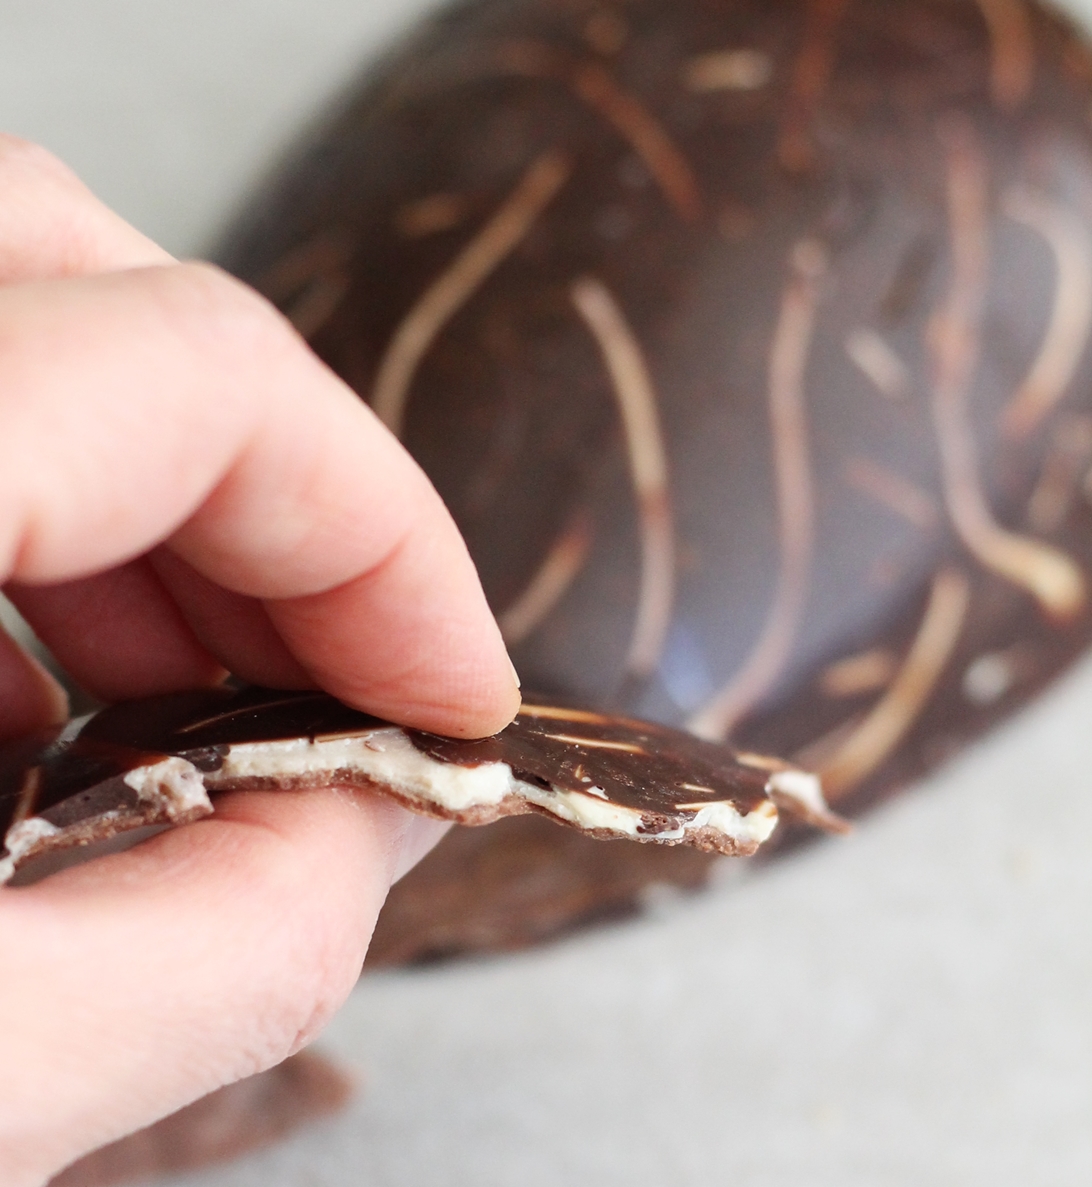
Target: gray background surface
{"x": 907, "y": 1007}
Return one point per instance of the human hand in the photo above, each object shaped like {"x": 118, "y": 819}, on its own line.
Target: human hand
{"x": 185, "y": 490}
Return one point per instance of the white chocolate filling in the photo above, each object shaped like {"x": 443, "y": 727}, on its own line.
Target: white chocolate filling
{"x": 801, "y": 787}
{"x": 23, "y": 837}
{"x": 804, "y": 791}
{"x": 387, "y": 756}
{"x": 173, "y": 784}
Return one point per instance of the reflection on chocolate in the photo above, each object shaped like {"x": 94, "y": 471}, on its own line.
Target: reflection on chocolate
{"x": 154, "y": 762}
{"x": 747, "y": 341}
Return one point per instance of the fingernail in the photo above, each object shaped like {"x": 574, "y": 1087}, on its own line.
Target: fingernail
{"x": 515, "y": 674}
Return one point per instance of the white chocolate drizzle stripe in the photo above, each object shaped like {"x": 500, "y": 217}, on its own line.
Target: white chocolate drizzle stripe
{"x": 637, "y": 405}
{"x": 895, "y": 712}
{"x": 1012, "y": 52}
{"x": 459, "y": 281}
{"x": 550, "y": 583}
{"x": 788, "y": 358}
{"x": 1052, "y": 577}
{"x": 1071, "y": 314}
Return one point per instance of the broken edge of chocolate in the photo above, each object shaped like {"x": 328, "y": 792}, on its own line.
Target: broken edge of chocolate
{"x": 155, "y": 761}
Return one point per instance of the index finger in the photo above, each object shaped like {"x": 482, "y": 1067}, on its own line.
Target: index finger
{"x": 173, "y": 404}
{"x": 51, "y": 225}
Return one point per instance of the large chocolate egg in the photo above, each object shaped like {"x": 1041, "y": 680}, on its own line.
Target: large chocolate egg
{"x": 747, "y": 341}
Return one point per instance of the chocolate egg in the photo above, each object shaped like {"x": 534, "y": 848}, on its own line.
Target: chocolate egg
{"x": 747, "y": 341}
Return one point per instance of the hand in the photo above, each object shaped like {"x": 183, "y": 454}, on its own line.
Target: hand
{"x": 185, "y": 490}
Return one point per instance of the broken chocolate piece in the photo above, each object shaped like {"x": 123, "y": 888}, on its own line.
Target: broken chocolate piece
{"x": 238, "y": 1119}
{"x": 520, "y": 882}
{"x": 154, "y": 761}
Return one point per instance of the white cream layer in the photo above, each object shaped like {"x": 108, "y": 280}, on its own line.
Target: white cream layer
{"x": 172, "y": 784}
{"x": 388, "y": 756}
{"x": 805, "y": 791}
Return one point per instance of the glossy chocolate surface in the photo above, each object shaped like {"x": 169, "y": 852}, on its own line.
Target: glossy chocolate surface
{"x": 747, "y": 340}
{"x": 636, "y": 764}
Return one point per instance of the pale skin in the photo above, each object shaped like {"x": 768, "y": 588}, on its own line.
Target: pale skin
{"x": 185, "y": 490}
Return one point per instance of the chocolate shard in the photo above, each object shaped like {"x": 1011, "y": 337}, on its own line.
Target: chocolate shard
{"x": 155, "y": 761}
{"x": 522, "y": 882}
{"x": 236, "y": 1120}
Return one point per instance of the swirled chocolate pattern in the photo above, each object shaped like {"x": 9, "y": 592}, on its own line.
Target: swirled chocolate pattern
{"x": 747, "y": 341}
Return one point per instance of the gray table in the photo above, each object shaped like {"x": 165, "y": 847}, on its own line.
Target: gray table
{"x": 907, "y": 1007}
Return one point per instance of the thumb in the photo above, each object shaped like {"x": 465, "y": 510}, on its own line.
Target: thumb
{"x": 147, "y": 979}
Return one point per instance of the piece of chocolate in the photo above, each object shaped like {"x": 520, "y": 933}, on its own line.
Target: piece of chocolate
{"x": 519, "y": 882}
{"x": 155, "y": 761}
{"x": 225, "y": 1125}
{"x": 747, "y": 341}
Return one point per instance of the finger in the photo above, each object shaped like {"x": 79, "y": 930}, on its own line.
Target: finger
{"x": 145, "y": 980}
{"x": 175, "y": 403}
{"x": 29, "y": 696}
{"x": 51, "y": 225}
{"x": 118, "y": 634}
{"x": 229, "y": 625}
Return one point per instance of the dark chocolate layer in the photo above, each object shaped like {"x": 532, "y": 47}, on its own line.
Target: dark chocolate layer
{"x": 636, "y": 764}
